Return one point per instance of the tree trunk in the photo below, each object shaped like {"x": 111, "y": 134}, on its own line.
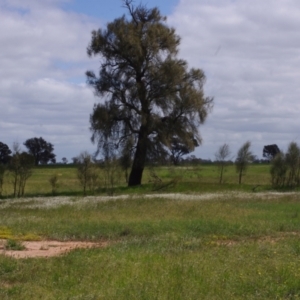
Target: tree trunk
{"x": 135, "y": 177}
{"x": 240, "y": 176}
{"x": 221, "y": 174}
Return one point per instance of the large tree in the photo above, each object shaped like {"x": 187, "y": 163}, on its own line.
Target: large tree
{"x": 41, "y": 150}
{"x": 151, "y": 96}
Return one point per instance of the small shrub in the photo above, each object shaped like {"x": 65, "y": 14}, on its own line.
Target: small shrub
{"x": 278, "y": 170}
{"x": 53, "y": 180}
{"x": 14, "y": 245}
{"x": 87, "y": 172}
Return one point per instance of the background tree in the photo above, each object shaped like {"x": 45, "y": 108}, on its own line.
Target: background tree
{"x": 111, "y": 167}
{"x": 179, "y": 149}
{"x": 64, "y": 160}
{"x": 151, "y": 95}
{"x": 20, "y": 168}
{"x": 5, "y": 156}
{"x": 244, "y": 157}
{"x": 75, "y": 160}
{"x": 87, "y": 172}
{"x": 285, "y": 167}
{"x": 5, "y": 153}
{"x": 278, "y": 170}
{"x": 221, "y": 155}
{"x": 270, "y": 151}
{"x": 292, "y": 159}
{"x": 41, "y": 150}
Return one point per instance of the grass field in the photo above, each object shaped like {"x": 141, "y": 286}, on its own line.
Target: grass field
{"x": 203, "y": 178}
{"x": 226, "y": 243}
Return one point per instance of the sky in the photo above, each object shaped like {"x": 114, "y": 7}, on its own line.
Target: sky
{"x": 248, "y": 49}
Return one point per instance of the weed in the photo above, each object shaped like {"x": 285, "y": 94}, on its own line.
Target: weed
{"x": 222, "y": 245}
{"x": 14, "y": 245}
{"x": 53, "y": 180}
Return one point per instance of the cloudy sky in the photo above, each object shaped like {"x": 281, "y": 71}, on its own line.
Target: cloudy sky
{"x": 248, "y": 49}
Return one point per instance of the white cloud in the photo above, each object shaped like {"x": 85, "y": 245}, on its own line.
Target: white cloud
{"x": 43, "y": 60}
{"x": 249, "y": 51}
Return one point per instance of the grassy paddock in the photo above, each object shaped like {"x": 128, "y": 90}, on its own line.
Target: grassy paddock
{"x": 233, "y": 246}
{"x": 224, "y": 241}
{"x": 202, "y": 178}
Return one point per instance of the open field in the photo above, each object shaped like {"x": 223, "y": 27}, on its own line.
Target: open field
{"x": 202, "y": 178}
{"x": 231, "y": 245}
{"x": 194, "y": 239}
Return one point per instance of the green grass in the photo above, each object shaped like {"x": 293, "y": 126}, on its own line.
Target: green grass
{"x": 14, "y": 245}
{"x": 202, "y": 178}
{"x": 140, "y": 271}
{"x": 235, "y": 245}
{"x": 152, "y": 218}
{"x": 229, "y": 248}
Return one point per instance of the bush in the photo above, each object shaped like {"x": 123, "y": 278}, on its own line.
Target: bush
{"x": 14, "y": 245}
{"x": 285, "y": 168}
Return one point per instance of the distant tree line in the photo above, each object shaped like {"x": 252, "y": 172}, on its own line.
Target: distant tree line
{"x": 116, "y": 163}
{"x": 18, "y": 164}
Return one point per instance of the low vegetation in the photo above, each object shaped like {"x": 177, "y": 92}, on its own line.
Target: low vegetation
{"x": 109, "y": 178}
{"x": 181, "y": 235}
{"x": 14, "y": 245}
{"x": 229, "y": 246}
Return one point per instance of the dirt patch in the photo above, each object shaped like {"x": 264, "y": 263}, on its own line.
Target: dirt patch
{"x": 47, "y": 248}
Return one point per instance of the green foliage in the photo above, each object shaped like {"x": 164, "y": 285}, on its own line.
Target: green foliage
{"x": 292, "y": 158}
{"x": 243, "y": 158}
{"x": 221, "y": 155}
{"x": 285, "y": 167}
{"x": 112, "y": 174}
{"x": 179, "y": 149}
{"x": 87, "y": 172}
{"x": 5, "y": 153}
{"x": 41, "y": 150}
{"x": 112, "y": 165}
{"x": 53, "y": 180}
{"x": 20, "y": 168}
{"x": 278, "y": 170}
{"x": 14, "y": 245}
{"x": 192, "y": 179}
{"x": 3, "y": 170}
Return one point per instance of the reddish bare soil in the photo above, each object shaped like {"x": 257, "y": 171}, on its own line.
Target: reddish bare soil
{"x": 47, "y": 248}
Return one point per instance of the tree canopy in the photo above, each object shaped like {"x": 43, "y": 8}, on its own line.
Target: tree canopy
{"x": 41, "y": 150}
{"x": 270, "y": 151}
{"x": 5, "y": 153}
{"x": 151, "y": 97}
